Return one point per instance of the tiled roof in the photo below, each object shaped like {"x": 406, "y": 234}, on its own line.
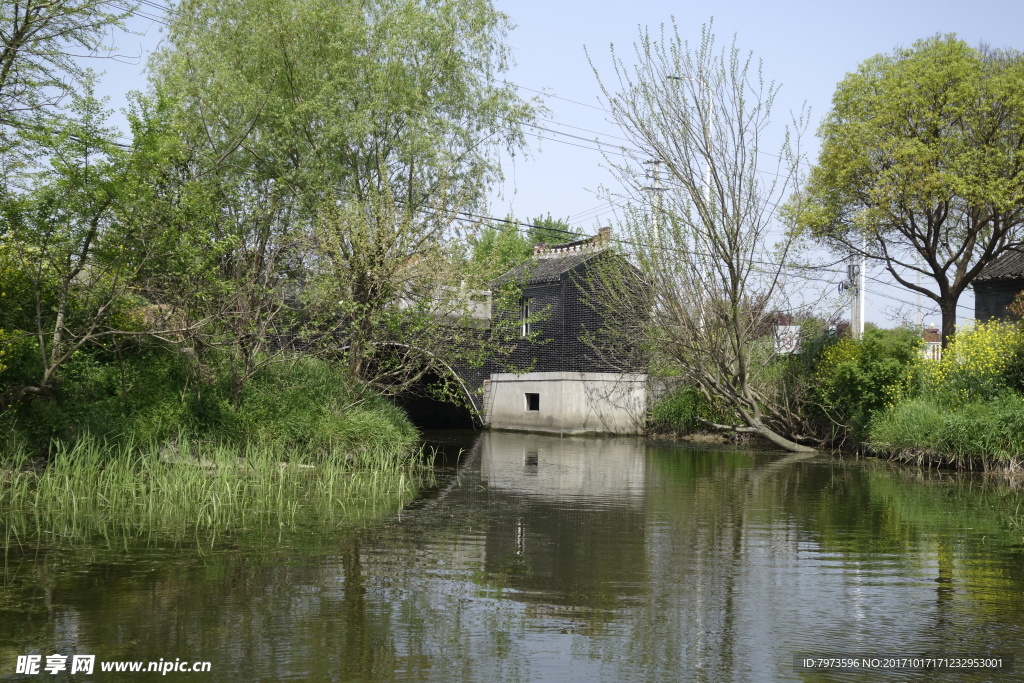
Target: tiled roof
{"x": 548, "y": 268}
{"x": 1009, "y": 266}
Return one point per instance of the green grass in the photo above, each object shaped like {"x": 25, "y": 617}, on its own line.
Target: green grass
{"x": 681, "y": 411}
{"x": 97, "y": 490}
{"x": 980, "y": 433}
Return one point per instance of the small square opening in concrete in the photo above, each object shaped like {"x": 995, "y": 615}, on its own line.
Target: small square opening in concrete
{"x": 532, "y": 402}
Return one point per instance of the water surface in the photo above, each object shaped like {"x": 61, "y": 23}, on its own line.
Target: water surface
{"x": 564, "y": 559}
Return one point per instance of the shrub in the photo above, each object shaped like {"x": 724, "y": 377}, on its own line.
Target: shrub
{"x": 311, "y": 405}
{"x": 681, "y": 411}
{"x": 855, "y": 379}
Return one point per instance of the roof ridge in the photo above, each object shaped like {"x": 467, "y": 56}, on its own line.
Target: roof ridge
{"x": 1008, "y": 266}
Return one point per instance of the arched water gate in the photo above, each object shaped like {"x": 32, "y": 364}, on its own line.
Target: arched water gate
{"x": 422, "y": 403}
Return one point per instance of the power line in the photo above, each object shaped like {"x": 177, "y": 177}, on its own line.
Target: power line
{"x": 585, "y": 130}
{"x": 566, "y": 99}
{"x": 136, "y": 12}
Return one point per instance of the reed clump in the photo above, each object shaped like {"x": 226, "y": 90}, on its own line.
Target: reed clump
{"x": 94, "y": 489}
{"x": 976, "y": 435}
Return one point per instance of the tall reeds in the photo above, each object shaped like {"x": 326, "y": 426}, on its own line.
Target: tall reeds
{"x": 95, "y": 489}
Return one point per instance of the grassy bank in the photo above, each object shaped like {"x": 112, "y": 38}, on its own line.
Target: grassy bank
{"x": 978, "y": 435}
{"x": 149, "y": 445}
{"x": 97, "y": 490}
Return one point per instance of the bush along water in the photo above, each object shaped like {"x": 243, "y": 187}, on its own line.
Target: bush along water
{"x": 150, "y": 443}
{"x": 681, "y": 412}
{"x": 853, "y": 380}
{"x": 970, "y": 410}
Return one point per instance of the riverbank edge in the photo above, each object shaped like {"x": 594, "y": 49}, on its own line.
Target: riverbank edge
{"x": 1012, "y": 467}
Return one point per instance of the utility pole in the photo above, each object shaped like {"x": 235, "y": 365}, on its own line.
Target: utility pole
{"x": 655, "y": 188}
{"x": 856, "y": 282}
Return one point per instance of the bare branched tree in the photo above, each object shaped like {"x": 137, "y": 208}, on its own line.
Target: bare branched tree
{"x": 702, "y": 233}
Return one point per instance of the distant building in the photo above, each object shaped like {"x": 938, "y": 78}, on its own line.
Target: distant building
{"x": 931, "y": 349}
{"x": 583, "y": 370}
{"x": 997, "y": 286}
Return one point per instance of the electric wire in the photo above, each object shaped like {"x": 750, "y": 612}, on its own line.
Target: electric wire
{"x": 601, "y": 147}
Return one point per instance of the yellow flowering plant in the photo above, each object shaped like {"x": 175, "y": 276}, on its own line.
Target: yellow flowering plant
{"x": 980, "y": 363}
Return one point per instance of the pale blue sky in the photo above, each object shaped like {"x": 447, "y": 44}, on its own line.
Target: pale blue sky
{"x": 806, "y": 47}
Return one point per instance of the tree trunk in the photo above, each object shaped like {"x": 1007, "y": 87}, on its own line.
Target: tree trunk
{"x": 948, "y": 321}
{"x": 781, "y": 441}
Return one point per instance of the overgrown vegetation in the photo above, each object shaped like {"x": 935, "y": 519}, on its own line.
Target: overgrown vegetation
{"x": 142, "y": 441}
{"x": 787, "y": 380}
{"x": 153, "y": 394}
{"x": 970, "y": 412}
{"x": 966, "y": 410}
{"x": 97, "y": 489}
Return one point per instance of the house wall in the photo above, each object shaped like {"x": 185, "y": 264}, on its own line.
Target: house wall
{"x": 547, "y": 351}
{"x": 992, "y": 297}
{"x": 569, "y": 402}
{"x": 569, "y": 327}
{"x": 586, "y": 326}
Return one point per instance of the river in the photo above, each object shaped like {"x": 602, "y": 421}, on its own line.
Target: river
{"x": 538, "y": 558}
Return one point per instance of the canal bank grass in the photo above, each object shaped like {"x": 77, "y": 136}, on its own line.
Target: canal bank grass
{"x": 297, "y": 402}
{"x": 979, "y": 435}
{"x": 97, "y": 490}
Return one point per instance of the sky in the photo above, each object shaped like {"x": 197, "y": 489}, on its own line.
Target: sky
{"x": 806, "y": 47}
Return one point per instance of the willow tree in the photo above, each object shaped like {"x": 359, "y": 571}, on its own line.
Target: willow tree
{"x": 346, "y": 138}
{"x": 921, "y": 166}
{"x": 41, "y": 46}
{"x": 713, "y": 277}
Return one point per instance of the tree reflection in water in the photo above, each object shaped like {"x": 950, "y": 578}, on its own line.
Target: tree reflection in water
{"x": 541, "y": 557}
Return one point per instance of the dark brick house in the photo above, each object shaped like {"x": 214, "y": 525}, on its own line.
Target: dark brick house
{"x": 997, "y": 286}
{"x": 561, "y": 310}
{"x": 583, "y": 370}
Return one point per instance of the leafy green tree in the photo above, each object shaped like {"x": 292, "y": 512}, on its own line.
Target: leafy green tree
{"x": 344, "y": 139}
{"x": 922, "y": 166}
{"x": 496, "y": 250}
{"x": 548, "y": 230}
{"x": 72, "y": 245}
{"x": 41, "y": 43}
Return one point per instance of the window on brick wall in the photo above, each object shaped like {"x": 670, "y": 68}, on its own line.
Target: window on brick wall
{"x": 525, "y": 311}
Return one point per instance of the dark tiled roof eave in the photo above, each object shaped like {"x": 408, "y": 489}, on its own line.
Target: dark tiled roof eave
{"x": 1009, "y": 266}
{"x": 546, "y": 269}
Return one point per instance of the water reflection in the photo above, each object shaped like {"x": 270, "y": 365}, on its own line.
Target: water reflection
{"x": 542, "y": 558}
{"x": 562, "y": 469}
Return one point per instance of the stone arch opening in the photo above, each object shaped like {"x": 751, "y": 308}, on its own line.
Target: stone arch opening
{"x": 440, "y": 399}
{"x": 431, "y": 406}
